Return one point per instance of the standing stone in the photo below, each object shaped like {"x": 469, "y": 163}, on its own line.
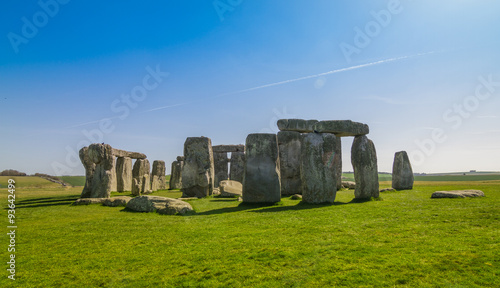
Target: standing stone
{"x": 290, "y": 157}
{"x": 175, "y": 173}
{"x": 261, "y": 181}
{"x": 337, "y": 161}
{"x": 221, "y": 169}
{"x": 364, "y": 162}
{"x": 123, "y": 174}
{"x": 114, "y": 180}
{"x": 402, "y": 174}
{"x": 102, "y": 156}
{"x": 237, "y": 166}
{"x": 141, "y": 178}
{"x": 198, "y": 169}
{"x": 158, "y": 182}
{"x": 318, "y": 170}
{"x": 89, "y": 172}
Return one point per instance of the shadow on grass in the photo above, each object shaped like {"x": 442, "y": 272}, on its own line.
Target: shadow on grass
{"x": 47, "y": 201}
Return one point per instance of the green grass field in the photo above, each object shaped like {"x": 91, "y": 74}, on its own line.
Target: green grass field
{"x": 405, "y": 240}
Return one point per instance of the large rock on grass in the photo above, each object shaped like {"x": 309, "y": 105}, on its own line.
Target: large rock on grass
{"x": 364, "y": 162}
{"x": 230, "y": 188}
{"x": 123, "y": 174}
{"x": 458, "y": 194}
{"x": 175, "y": 174}
{"x": 289, "y": 151}
{"x": 158, "y": 175}
{"x": 402, "y": 174}
{"x": 102, "y": 180}
{"x": 198, "y": 169}
{"x": 141, "y": 177}
{"x": 117, "y": 201}
{"x": 261, "y": 181}
{"x": 162, "y": 205}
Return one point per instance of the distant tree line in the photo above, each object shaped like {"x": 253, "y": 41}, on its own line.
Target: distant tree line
{"x": 11, "y": 172}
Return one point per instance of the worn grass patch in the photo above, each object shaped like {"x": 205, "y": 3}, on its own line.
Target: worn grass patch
{"x": 405, "y": 240}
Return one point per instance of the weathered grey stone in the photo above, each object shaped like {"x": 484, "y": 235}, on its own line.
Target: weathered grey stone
{"x": 123, "y": 153}
{"x": 117, "y": 201}
{"x": 220, "y": 165}
{"x": 230, "y": 188}
{"x": 296, "y": 197}
{"x": 261, "y": 181}
{"x": 102, "y": 180}
{"x": 228, "y": 148}
{"x": 141, "y": 178}
{"x": 402, "y": 174}
{"x": 123, "y": 174}
{"x": 114, "y": 182}
{"x": 387, "y": 190}
{"x": 159, "y": 171}
{"x": 364, "y": 162}
{"x": 175, "y": 174}
{"x": 88, "y": 201}
{"x": 337, "y": 162}
{"x": 458, "y": 194}
{"x": 342, "y": 128}
{"x": 318, "y": 172}
{"x": 237, "y": 166}
{"x": 180, "y": 158}
{"x": 162, "y": 205}
{"x": 198, "y": 169}
{"x": 297, "y": 125}
{"x": 349, "y": 184}
{"x": 290, "y": 155}
{"x": 89, "y": 172}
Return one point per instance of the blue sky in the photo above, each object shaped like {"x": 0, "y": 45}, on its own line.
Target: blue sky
{"x": 425, "y": 77}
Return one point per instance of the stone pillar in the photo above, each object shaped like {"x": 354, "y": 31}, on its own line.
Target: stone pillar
{"x": 220, "y": 165}
{"x": 175, "y": 173}
{"x": 261, "y": 181}
{"x": 123, "y": 174}
{"x": 289, "y": 143}
{"x": 198, "y": 169}
{"x": 102, "y": 156}
{"x": 141, "y": 178}
{"x": 337, "y": 161}
{"x": 158, "y": 176}
{"x": 318, "y": 168}
{"x": 237, "y": 166}
{"x": 114, "y": 180}
{"x": 89, "y": 172}
{"x": 364, "y": 162}
{"x": 402, "y": 174}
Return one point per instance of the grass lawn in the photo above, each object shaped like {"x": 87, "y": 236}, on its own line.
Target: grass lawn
{"x": 405, "y": 240}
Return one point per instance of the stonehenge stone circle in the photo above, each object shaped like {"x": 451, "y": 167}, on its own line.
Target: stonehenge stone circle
{"x": 341, "y": 128}
{"x": 318, "y": 173}
{"x": 297, "y": 125}
{"x": 289, "y": 143}
{"x": 158, "y": 176}
{"x": 198, "y": 169}
{"x": 261, "y": 181}
{"x": 89, "y": 172}
{"x": 175, "y": 174}
{"x": 102, "y": 180}
{"x": 402, "y": 174}
{"x": 220, "y": 165}
{"x": 237, "y": 166}
{"x": 364, "y": 162}
{"x": 123, "y": 174}
{"x": 141, "y": 178}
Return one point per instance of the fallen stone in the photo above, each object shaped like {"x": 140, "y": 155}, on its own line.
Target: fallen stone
{"x": 162, "y": 205}
{"x": 88, "y": 201}
{"x": 117, "y": 201}
{"x": 342, "y": 128}
{"x": 349, "y": 184}
{"x": 364, "y": 162}
{"x": 230, "y": 188}
{"x": 297, "y": 125}
{"x": 402, "y": 174}
{"x": 458, "y": 194}
{"x": 318, "y": 173}
{"x": 296, "y": 197}
{"x": 290, "y": 155}
{"x": 388, "y": 190}
{"x": 261, "y": 181}
{"x": 198, "y": 169}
